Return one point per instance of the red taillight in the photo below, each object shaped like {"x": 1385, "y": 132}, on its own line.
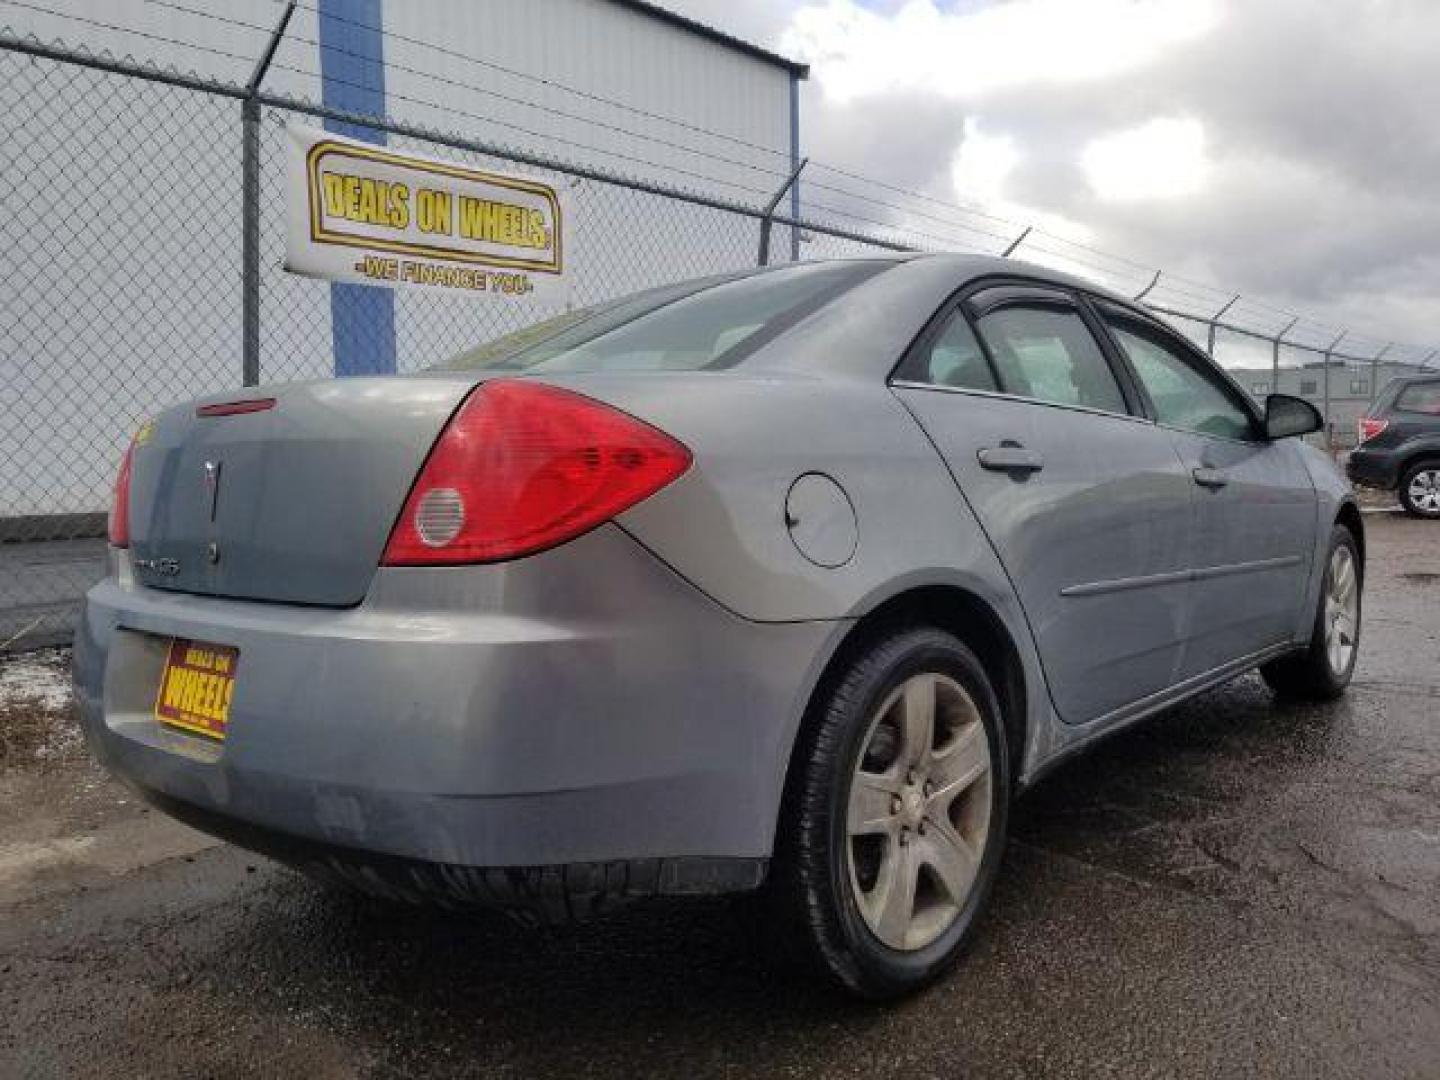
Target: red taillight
{"x": 522, "y": 467}
{"x": 119, "y": 527}
{"x": 1370, "y": 427}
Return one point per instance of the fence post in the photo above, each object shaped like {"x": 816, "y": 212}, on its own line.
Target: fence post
{"x": 1275, "y": 355}
{"x": 767, "y": 219}
{"x": 250, "y": 207}
{"x": 1210, "y": 339}
{"x": 1325, "y": 376}
{"x": 1014, "y": 244}
{"x": 1375, "y": 371}
{"x": 1148, "y": 289}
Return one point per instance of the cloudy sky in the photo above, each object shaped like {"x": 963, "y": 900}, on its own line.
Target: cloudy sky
{"x": 1289, "y": 149}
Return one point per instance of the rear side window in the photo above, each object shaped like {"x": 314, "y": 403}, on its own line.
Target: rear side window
{"x": 682, "y": 328}
{"x": 1184, "y": 396}
{"x": 1050, "y": 355}
{"x": 953, "y": 358}
{"x": 1421, "y": 398}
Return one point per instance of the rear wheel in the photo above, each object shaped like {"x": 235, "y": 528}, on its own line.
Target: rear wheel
{"x": 896, "y": 817}
{"x": 1323, "y": 670}
{"x": 1420, "y": 489}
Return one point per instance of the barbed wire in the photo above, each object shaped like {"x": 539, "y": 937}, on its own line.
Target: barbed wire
{"x": 895, "y": 216}
{"x": 386, "y": 63}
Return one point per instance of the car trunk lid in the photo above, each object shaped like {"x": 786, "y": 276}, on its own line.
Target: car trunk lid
{"x": 291, "y": 501}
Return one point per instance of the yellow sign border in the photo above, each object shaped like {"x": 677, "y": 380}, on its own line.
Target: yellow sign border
{"x": 320, "y": 235}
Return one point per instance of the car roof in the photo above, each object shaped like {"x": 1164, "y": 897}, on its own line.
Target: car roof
{"x": 966, "y": 266}
{"x": 866, "y": 329}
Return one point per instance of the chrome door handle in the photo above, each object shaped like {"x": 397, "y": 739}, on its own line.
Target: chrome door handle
{"x": 1010, "y": 457}
{"x": 1209, "y": 478}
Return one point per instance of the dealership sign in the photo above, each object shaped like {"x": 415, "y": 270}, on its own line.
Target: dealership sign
{"x": 364, "y": 213}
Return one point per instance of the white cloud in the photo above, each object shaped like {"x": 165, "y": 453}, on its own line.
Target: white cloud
{"x": 858, "y": 53}
{"x": 1306, "y": 176}
{"x": 980, "y": 172}
{"x": 982, "y": 164}
{"x": 1163, "y": 158}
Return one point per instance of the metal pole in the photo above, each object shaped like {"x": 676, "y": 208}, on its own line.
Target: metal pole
{"x": 1017, "y": 242}
{"x": 250, "y": 207}
{"x": 768, "y": 217}
{"x": 1375, "y": 371}
{"x": 1325, "y": 375}
{"x": 1210, "y": 340}
{"x": 1148, "y": 289}
{"x": 1275, "y": 355}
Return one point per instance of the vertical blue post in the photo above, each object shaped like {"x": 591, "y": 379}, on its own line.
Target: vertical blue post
{"x": 352, "y": 73}
{"x": 795, "y": 164}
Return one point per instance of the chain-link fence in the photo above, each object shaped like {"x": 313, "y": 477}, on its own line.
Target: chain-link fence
{"x": 127, "y": 283}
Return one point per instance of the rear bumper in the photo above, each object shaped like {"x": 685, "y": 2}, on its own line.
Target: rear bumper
{"x": 1372, "y": 468}
{"x": 583, "y": 706}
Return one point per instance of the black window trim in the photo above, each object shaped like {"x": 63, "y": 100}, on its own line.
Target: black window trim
{"x": 1149, "y": 326}
{"x": 1029, "y": 292}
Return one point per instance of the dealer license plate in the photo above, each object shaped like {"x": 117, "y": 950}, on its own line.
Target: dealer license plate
{"x": 196, "y": 686}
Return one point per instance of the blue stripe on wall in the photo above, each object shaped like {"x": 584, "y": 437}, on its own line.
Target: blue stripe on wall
{"x": 795, "y": 164}
{"x": 352, "y": 70}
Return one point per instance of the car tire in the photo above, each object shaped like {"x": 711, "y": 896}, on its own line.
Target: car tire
{"x": 1324, "y": 669}
{"x": 1415, "y": 491}
{"x": 943, "y": 826}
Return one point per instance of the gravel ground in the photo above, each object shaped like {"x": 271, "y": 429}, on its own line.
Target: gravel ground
{"x": 1235, "y": 888}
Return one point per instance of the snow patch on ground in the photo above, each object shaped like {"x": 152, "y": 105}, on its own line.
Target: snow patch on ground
{"x": 37, "y": 716}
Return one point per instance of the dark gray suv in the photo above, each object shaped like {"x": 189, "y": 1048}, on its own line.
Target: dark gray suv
{"x": 1399, "y": 446}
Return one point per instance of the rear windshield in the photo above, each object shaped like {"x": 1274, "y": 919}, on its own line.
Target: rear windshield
{"x": 711, "y": 323}
{"x": 1421, "y": 398}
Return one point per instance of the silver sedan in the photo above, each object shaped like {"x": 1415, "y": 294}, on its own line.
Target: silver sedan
{"x": 786, "y": 580}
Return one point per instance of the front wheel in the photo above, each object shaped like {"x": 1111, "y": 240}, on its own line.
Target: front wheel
{"x": 1324, "y": 669}
{"x": 896, "y": 818}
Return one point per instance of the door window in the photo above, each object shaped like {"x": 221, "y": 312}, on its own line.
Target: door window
{"x": 1184, "y": 396}
{"x": 1049, "y": 354}
{"x": 953, "y": 358}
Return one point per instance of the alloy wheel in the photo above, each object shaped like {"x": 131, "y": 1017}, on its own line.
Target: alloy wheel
{"x": 919, "y": 811}
{"x": 1342, "y": 610}
{"x": 1424, "y": 491}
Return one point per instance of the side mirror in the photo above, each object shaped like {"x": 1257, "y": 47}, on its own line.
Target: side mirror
{"x": 1287, "y": 416}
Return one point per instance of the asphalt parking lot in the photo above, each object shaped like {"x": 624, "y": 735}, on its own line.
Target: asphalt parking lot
{"x": 1236, "y": 888}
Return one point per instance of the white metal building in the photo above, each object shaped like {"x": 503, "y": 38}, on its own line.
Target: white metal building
{"x": 118, "y": 320}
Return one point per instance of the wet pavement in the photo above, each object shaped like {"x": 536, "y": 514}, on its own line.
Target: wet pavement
{"x": 1236, "y": 888}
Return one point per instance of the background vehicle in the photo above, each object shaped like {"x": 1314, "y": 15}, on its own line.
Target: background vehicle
{"x": 1399, "y": 446}
{"x": 789, "y": 578}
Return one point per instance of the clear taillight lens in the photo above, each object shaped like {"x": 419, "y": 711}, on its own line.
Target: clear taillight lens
{"x": 522, "y": 467}
{"x": 1369, "y": 427}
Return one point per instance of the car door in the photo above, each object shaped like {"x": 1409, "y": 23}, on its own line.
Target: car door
{"x": 1254, "y": 506}
{"x": 1085, "y": 503}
